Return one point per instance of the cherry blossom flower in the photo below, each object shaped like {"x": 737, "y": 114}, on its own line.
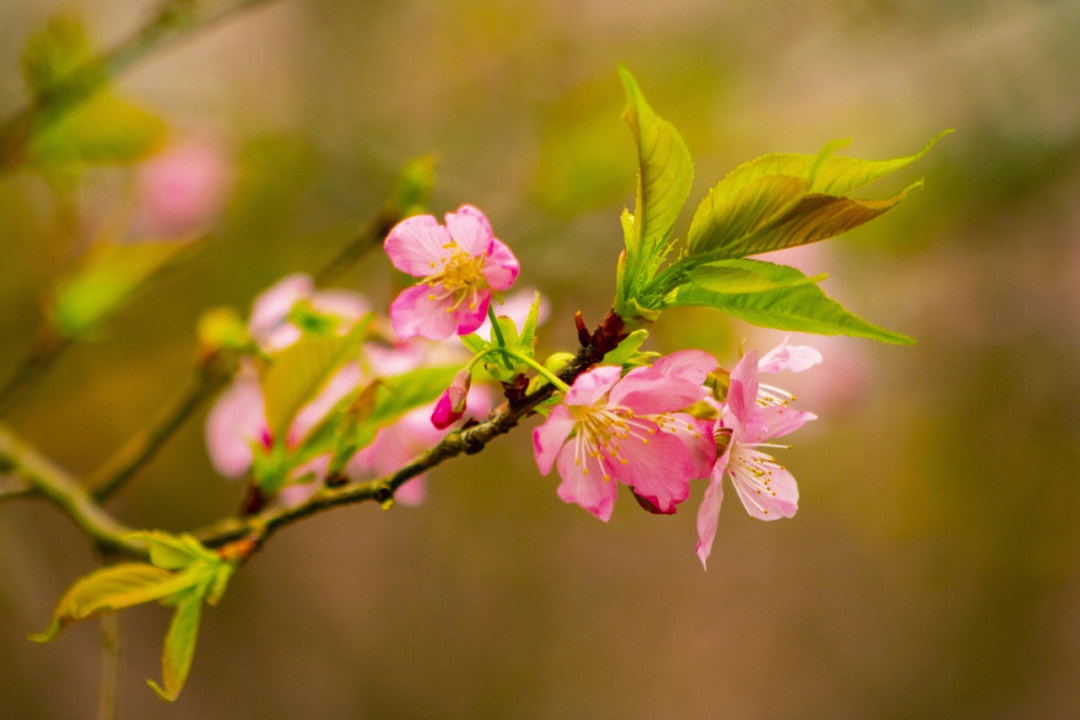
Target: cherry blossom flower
{"x": 753, "y": 415}
{"x": 450, "y": 406}
{"x": 629, "y": 430}
{"x": 183, "y": 187}
{"x": 460, "y": 264}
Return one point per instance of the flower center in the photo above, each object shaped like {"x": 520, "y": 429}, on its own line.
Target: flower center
{"x": 600, "y": 432}
{"x": 461, "y": 277}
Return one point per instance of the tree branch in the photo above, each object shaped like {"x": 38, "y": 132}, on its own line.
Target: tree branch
{"x": 174, "y": 21}
{"x": 47, "y": 480}
{"x": 142, "y": 446}
{"x": 257, "y": 528}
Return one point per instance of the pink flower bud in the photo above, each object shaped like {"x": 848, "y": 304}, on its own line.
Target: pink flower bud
{"x": 451, "y": 405}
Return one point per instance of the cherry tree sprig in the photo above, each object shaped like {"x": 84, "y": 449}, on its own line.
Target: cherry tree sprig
{"x": 327, "y": 377}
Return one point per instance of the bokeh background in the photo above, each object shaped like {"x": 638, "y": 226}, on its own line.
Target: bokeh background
{"x": 932, "y": 570}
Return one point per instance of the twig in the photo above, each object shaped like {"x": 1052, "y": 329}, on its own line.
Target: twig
{"x": 369, "y": 237}
{"x": 52, "y": 483}
{"x": 142, "y": 446}
{"x": 108, "y": 706}
{"x": 257, "y": 528}
{"x": 174, "y": 20}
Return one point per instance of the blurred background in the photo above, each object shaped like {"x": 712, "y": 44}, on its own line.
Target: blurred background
{"x": 933, "y": 569}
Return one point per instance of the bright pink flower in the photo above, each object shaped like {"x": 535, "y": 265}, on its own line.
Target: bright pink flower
{"x": 753, "y": 415}
{"x": 629, "y": 429}
{"x": 460, "y": 264}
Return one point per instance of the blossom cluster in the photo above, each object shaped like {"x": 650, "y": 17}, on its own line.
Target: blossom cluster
{"x": 655, "y": 427}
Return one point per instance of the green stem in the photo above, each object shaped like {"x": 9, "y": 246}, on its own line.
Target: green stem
{"x": 498, "y": 334}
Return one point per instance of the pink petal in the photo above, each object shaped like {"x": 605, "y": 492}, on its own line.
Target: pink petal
{"x": 709, "y": 510}
{"x": 591, "y": 386}
{"x": 650, "y": 393}
{"x": 443, "y": 416}
{"x": 417, "y": 246}
{"x": 742, "y": 393}
{"x": 234, "y": 424}
{"x": 470, "y": 230}
{"x": 690, "y": 365}
{"x": 696, "y": 434}
{"x": 413, "y": 492}
{"x": 794, "y": 358}
{"x": 766, "y": 496}
{"x": 471, "y": 313}
{"x": 655, "y": 464}
{"x": 778, "y": 420}
{"x": 270, "y": 307}
{"x": 585, "y": 484}
{"x": 549, "y": 436}
{"x": 414, "y": 312}
{"x": 341, "y": 303}
{"x": 501, "y": 267}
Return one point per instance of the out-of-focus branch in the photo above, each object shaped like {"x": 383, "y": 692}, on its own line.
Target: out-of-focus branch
{"x": 142, "y": 446}
{"x": 257, "y": 528}
{"x": 45, "y": 479}
{"x": 174, "y": 20}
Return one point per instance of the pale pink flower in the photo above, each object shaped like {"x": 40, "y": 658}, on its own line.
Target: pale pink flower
{"x": 626, "y": 429}
{"x": 269, "y": 323}
{"x": 405, "y": 439}
{"x": 460, "y": 264}
{"x": 183, "y": 187}
{"x": 753, "y": 415}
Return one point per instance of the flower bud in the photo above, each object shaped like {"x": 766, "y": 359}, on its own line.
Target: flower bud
{"x": 451, "y": 405}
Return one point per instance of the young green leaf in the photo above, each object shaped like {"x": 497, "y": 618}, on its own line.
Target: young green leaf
{"x": 297, "y": 373}
{"x": 665, "y": 173}
{"x": 109, "y": 589}
{"x": 795, "y": 304}
{"x": 179, "y": 646}
{"x": 54, "y": 54}
{"x": 174, "y": 552}
{"x": 108, "y": 277}
{"x": 101, "y": 129}
{"x": 782, "y": 200}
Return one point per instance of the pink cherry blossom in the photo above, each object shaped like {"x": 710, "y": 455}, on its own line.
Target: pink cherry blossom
{"x": 450, "y": 406}
{"x": 183, "y": 187}
{"x": 460, "y": 264}
{"x": 610, "y": 428}
{"x": 753, "y": 415}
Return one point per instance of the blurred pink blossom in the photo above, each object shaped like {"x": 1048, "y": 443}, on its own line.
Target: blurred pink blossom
{"x": 183, "y": 188}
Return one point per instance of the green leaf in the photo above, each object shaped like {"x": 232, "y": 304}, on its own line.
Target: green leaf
{"x": 665, "y": 173}
{"x": 297, "y": 373}
{"x": 797, "y": 305}
{"x": 109, "y": 589}
{"x": 174, "y": 552}
{"x": 109, "y": 276}
{"x": 626, "y": 349}
{"x": 725, "y": 215}
{"x": 401, "y": 393}
{"x": 783, "y": 200}
{"x": 101, "y": 129}
{"x": 54, "y": 54}
{"x": 733, "y": 277}
{"x": 179, "y": 645}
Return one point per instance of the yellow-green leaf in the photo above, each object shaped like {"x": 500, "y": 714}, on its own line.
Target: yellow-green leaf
{"x": 179, "y": 647}
{"x": 108, "y": 277}
{"x": 734, "y": 277}
{"x": 100, "y": 129}
{"x": 665, "y": 173}
{"x": 109, "y": 589}
{"x": 53, "y": 54}
{"x": 174, "y": 552}
{"x": 297, "y": 373}
{"x": 726, "y": 215}
{"x": 796, "y": 304}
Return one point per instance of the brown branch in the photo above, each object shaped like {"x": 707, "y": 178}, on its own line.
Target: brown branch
{"x": 257, "y": 528}
{"x": 51, "y": 482}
